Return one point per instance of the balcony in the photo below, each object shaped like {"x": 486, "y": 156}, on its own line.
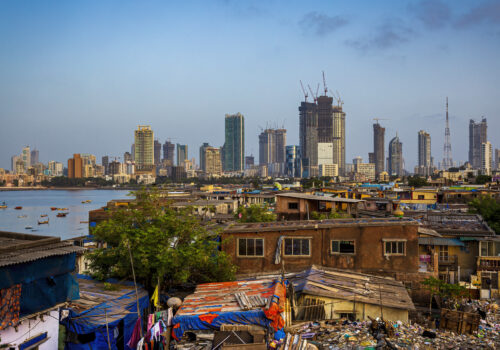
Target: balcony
{"x": 488, "y": 263}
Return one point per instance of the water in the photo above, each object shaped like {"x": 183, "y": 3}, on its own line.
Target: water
{"x": 36, "y": 203}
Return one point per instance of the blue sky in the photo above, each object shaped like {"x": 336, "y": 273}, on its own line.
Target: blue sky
{"x": 79, "y": 76}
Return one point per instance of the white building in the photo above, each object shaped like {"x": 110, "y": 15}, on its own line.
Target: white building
{"x": 486, "y": 155}
{"x": 325, "y": 153}
{"x": 331, "y": 170}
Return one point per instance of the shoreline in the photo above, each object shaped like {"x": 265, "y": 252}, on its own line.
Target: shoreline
{"x": 7, "y": 189}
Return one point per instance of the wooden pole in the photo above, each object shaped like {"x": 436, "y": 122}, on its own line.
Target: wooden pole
{"x": 380, "y": 297}
{"x": 107, "y": 328}
{"x": 135, "y": 284}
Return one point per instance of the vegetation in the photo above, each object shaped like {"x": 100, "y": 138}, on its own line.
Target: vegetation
{"x": 331, "y": 215}
{"x": 417, "y": 181}
{"x": 63, "y": 181}
{"x": 482, "y": 179}
{"x": 166, "y": 245}
{"x": 489, "y": 209}
{"x": 442, "y": 289}
{"x": 255, "y": 213}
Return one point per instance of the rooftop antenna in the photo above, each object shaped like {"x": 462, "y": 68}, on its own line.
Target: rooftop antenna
{"x": 304, "y": 91}
{"x": 324, "y": 83}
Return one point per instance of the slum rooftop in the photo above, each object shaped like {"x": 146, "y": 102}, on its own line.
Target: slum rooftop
{"x": 315, "y": 224}
{"x": 326, "y": 198}
{"x": 456, "y": 223}
{"x": 17, "y": 248}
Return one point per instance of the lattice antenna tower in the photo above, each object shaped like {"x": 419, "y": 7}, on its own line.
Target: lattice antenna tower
{"x": 447, "y": 160}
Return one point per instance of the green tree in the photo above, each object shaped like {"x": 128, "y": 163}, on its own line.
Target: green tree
{"x": 489, "y": 209}
{"x": 417, "y": 181}
{"x": 482, "y": 179}
{"x": 255, "y": 213}
{"x": 442, "y": 289}
{"x": 166, "y": 245}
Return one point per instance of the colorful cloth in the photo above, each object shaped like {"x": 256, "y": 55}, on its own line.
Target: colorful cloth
{"x": 136, "y": 335}
{"x": 10, "y": 306}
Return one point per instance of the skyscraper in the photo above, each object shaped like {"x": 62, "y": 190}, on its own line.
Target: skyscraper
{"x": 378, "y": 148}
{"x": 212, "y": 161}
{"x": 486, "y": 153}
{"x": 26, "y": 157}
{"x": 293, "y": 168}
{"x": 249, "y": 161}
{"x": 202, "y": 155}
{"x": 234, "y": 146}
{"x": 447, "y": 158}
{"x": 477, "y": 136}
{"x": 395, "y": 157}
{"x": 182, "y": 154}
{"x": 308, "y": 138}
{"x": 34, "y": 157}
{"x": 105, "y": 164}
{"x": 339, "y": 138}
{"x": 144, "y": 150}
{"x": 13, "y": 162}
{"x": 424, "y": 153}
{"x": 75, "y": 167}
{"x": 168, "y": 152}
{"x": 497, "y": 158}
{"x": 157, "y": 152}
{"x": 272, "y": 149}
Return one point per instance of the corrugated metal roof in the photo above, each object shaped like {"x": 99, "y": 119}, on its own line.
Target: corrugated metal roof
{"x": 440, "y": 241}
{"x": 31, "y": 254}
{"x": 320, "y": 198}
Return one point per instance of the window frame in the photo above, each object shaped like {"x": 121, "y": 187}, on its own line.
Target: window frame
{"x": 394, "y": 240}
{"x": 294, "y": 203}
{"x": 342, "y": 240}
{"x": 250, "y": 256}
{"x": 309, "y": 239}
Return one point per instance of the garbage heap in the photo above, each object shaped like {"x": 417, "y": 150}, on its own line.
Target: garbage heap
{"x": 379, "y": 334}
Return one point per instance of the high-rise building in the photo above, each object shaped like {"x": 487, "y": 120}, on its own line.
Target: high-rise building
{"x": 13, "y": 162}
{"x": 75, "y": 167}
{"x": 212, "y": 161}
{"x": 308, "y": 137}
{"x": 339, "y": 138}
{"x": 395, "y": 166}
{"x": 157, "y": 153}
{"x": 234, "y": 146}
{"x": 105, "y": 164}
{"x": 486, "y": 153}
{"x": 144, "y": 150}
{"x": 202, "y": 155}
{"x": 249, "y": 161}
{"x": 34, "y": 157}
{"x": 378, "y": 148}
{"x": 182, "y": 154}
{"x": 127, "y": 157}
{"x": 328, "y": 170}
{"x": 293, "y": 168}
{"x": 366, "y": 171}
{"x": 55, "y": 168}
{"x": 168, "y": 152}
{"x": 424, "y": 153}
{"x": 272, "y": 150}
{"x": 497, "y": 158}
{"x": 132, "y": 151}
{"x": 26, "y": 157}
{"x": 477, "y": 136}
{"x": 325, "y": 153}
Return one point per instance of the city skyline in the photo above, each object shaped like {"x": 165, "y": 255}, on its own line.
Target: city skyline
{"x": 60, "y": 75}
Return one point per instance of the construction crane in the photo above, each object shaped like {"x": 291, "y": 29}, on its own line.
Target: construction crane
{"x": 377, "y": 119}
{"x": 324, "y": 83}
{"x": 337, "y": 98}
{"x": 304, "y": 91}
{"x": 312, "y": 93}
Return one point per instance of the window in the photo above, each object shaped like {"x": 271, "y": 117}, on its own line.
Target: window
{"x": 293, "y": 205}
{"x": 443, "y": 252}
{"x": 297, "y": 246}
{"x": 343, "y": 247}
{"x": 250, "y": 247}
{"x": 396, "y": 247}
{"x": 421, "y": 196}
{"x": 486, "y": 248}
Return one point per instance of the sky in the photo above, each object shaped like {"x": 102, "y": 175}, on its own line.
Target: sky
{"x": 79, "y": 76}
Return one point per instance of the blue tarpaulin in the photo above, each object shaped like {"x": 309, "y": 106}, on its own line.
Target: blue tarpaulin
{"x": 118, "y": 309}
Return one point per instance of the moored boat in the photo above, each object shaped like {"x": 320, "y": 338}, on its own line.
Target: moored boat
{"x": 43, "y": 222}
{"x": 43, "y": 215}
{"x": 61, "y": 215}
{"x": 18, "y": 208}
{"x": 53, "y": 208}
{"x": 21, "y": 216}
{"x": 3, "y": 205}
{"x": 28, "y": 227}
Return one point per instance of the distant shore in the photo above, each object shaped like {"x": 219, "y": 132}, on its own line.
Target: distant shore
{"x": 38, "y": 188}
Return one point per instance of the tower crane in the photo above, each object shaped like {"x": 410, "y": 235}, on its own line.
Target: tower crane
{"x": 377, "y": 119}
{"x": 312, "y": 93}
{"x": 304, "y": 91}
{"x": 337, "y": 98}
{"x": 324, "y": 83}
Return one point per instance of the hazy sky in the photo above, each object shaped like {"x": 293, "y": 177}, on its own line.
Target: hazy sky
{"x": 79, "y": 76}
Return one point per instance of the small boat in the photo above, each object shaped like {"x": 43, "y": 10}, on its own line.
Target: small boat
{"x": 53, "y": 208}
{"x": 28, "y": 227}
{"x": 43, "y": 215}
{"x": 18, "y": 208}
{"x": 87, "y": 201}
{"x": 3, "y": 205}
{"x": 43, "y": 222}
{"x": 22, "y": 216}
{"x": 61, "y": 209}
{"x": 61, "y": 215}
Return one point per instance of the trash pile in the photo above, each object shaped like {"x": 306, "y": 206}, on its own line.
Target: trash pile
{"x": 379, "y": 334}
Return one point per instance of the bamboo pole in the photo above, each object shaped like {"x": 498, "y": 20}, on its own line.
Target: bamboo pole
{"x": 135, "y": 284}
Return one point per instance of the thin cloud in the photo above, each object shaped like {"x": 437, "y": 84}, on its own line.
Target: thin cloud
{"x": 390, "y": 34}
{"x": 434, "y": 14}
{"x": 321, "y": 24}
{"x": 488, "y": 12}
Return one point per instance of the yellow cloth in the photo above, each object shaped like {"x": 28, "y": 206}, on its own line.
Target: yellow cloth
{"x": 156, "y": 297}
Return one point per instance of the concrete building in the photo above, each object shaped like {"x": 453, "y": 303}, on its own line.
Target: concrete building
{"x": 157, "y": 153}
{"x": 234, "y": 145}
{"x": 55, "y": 168}
{"x": 293, "y": 161}
{"x": 497, "y": 158}
{"x": 127, "y": 157}
{"x": 325, "y": 153}
{"x": 182, "y": 154}
{"x": 424, "y": 153}
{"x": 202, "y": 155}
{"x": 395, "y": 164}
{"x": 272, "y": 150}
{"x": 144, "y": 150}
{"x": 13, "y": 162}
{"x": 105, "y": 164}
{"x": 308, "y": 137}
{"x": 477, "y": 136}
{"x": 212, "y": 161}
{"x": 249, "y": 161}
{"x": 366, "y": 170}
{"x": 329, "y": 170}
{"x": 339, "y": 138}
{"x": 486, "y": 157}
{"x": 75, "y": 167}
{"x": 26, "y": 157}
{"x": 168, "y": 152}
{"x": 378, "y": 148}
{"x": 34, "y": 157}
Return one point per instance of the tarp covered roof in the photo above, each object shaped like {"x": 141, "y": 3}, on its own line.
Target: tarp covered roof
{"x": 440, "y": 241}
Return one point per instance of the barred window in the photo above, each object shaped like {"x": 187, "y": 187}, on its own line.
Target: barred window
{"x": 395, "y": 247}
{"x": 343, "y": 247}
{"x": 297, "y": 246}
{"x": 250, "y": 247}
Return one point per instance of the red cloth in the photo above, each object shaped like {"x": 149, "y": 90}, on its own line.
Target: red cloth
{"x": 276, "y": 308}
{"x": 208, "y": 317}
{"x": 10, "y": 306}
{"x": 136, "y": 335}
